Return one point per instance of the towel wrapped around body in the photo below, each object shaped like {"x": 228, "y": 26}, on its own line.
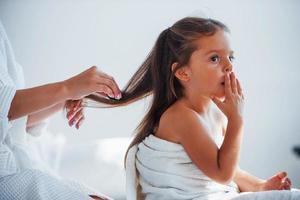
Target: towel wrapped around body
{"x": 159, "y": 169}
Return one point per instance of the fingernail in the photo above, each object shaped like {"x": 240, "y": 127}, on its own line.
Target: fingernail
{"x": 119, "y": 96}
{"x": 70, "y": 116}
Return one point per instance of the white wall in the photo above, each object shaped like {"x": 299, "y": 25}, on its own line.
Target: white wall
{"x": 56, "y": 39}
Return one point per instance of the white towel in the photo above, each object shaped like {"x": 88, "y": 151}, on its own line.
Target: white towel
{"x": 158, "y": 169}
{"x": 163, "y": 170}
{"x": 131, "y": 175}
{"x": 293, "y": 194}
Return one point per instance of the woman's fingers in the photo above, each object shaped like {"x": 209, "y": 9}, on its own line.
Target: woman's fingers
{"x": 76, "y": 117}
{"x": 79, "y": 123}
{"x": 108, "y": 81}
{"x": 91, "y": 81}
{"x": 73, "y": 106}
{"x": 111, "y": 83}
{"x": 75, "y": 114}
{"x": 101, "y": 88}
{"x": 69, "y": 105}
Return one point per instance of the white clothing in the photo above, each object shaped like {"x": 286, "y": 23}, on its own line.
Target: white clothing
{"x": 159, "y": 169}
{"x": 19, "y": 176}
{"x": 165, "y": 171}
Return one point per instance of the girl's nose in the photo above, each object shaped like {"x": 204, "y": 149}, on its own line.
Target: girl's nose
{"x": 228, "y": 68}
{"x": 227, "y": 65}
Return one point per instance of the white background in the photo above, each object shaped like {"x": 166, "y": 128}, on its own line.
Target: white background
{"x": 54, "y": 40}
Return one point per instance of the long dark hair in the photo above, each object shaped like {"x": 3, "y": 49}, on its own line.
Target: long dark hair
{"x": 155, "y": 76}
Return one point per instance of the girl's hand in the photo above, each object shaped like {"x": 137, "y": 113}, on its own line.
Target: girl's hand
{"x": 279, "y": 181}
{"x": 233, "y": 104}
{"x": 75, "y": 114}
{"x": 91, "y": 81}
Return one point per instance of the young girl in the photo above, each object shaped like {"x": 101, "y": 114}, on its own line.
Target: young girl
{"x": 188, "y": 144}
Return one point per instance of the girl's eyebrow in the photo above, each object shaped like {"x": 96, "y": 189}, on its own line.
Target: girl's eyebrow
{"x": 219, "y": 50}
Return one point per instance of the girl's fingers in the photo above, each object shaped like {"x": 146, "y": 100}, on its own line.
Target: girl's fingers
{"x": 239, "y": 88}
{"x": 285, "y": 181}
{"x": 228, "y": 90}
{"x": 282, "y": 175}
{"x": 289, "y": 181}
{"x": 285, "y": 186}
{"x": 282, "y": 187}
{"x": 217, "y": 102}
{"x": 288, "y": 186}
{"x": 233, "y": 83}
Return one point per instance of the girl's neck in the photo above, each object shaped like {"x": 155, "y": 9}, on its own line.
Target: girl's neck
{"x": 199, "y": 103}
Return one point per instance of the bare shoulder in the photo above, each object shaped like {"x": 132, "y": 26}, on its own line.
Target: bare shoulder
{"x": 176, "y": 121}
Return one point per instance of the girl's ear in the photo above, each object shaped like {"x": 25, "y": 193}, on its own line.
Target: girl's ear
{"x": 183, "y": 73}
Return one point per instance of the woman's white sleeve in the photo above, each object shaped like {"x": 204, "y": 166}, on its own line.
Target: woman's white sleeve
{"x": 7, "y": 91}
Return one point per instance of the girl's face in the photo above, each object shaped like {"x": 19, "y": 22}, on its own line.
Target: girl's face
{"x": 208, "y": 65}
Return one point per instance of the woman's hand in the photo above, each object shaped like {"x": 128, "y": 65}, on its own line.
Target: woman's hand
{"x": 36, "y": 99}
{"x": 75, "y": 112}
{"x": 280, "y": 181}
{"x": 233, "y": 104}
{"x": 91, "y": 81}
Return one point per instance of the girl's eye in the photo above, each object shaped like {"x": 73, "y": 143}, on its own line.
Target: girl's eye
{"x": 215, "y": 58}
{"x": 231, "y": 58}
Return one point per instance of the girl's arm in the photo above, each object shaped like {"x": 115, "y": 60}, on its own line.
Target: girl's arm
{"x": 191, "y": 131}
{"x": 218, "y": 164}
{"x": 250, "y": 183}
{"x": 247, "y": 182}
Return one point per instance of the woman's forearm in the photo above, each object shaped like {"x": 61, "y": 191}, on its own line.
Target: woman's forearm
{"x": 247, "y": 182}
{"x": 29, "y": 101}
{"x": 32, "y": 100}
{"x": 40, "y": 116}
